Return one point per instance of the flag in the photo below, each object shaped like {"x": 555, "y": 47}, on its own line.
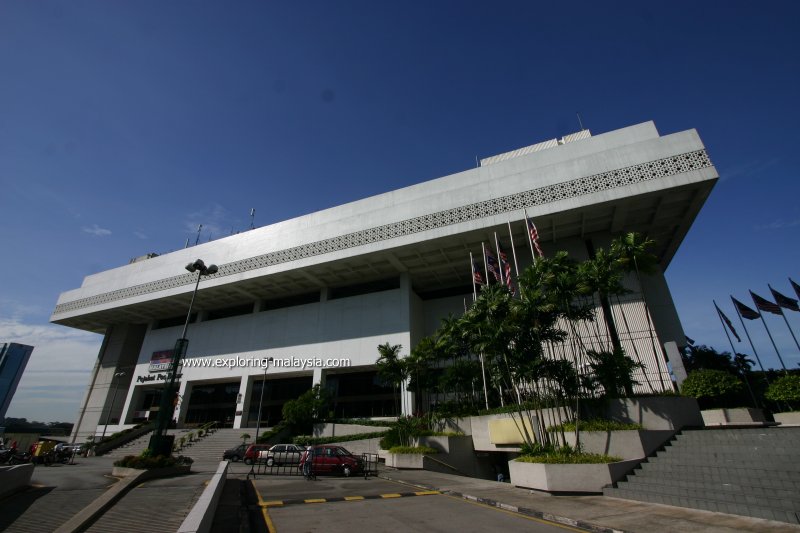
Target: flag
{"x": 477, "y": 277}
{"x": 796, "y": 287}
{"x": 744, "y": 311}
{"x": 765, "y": 305}
{"x": 491, "y": 264}
{"x": 506, "y": 267}
{"x": 784, "y": 301}
{"x": 727, "y": 322}
{"x": 689, "y": 340}
{"x": 534, "y": 236}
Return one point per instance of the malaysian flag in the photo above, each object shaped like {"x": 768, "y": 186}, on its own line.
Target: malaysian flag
{"x": 744, "y": 311}
{"x": 727, "y": 322}
{"x": 796, "y": 287}
{"x": 491, "y": 265}
{"x": 534, "y": 235}
{"x": 506, "y": 267}
{"x": 765, "y": 305}
{"x": 784, "y": 301}
{"x": 477, "y": 277}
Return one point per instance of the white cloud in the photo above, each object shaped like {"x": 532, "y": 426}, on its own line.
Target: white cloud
{"x": 140, "y": 235}
{"x": 57, "y": 373}
{"x": 779, "y": 224}
{"x": 96, "y": 230}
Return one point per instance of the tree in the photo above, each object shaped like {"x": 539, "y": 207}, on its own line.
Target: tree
{"x": 308, "y": 408}
{"x": 633, "y": 255}
{"x": 712, "y": 388}
{"x": 704, "y": 357}
{"x": 391, "y": 368}
{"x": 785, "y": 389}
{"x": 613, "y": 371}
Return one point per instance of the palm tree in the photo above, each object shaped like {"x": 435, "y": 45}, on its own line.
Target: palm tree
{"x": 391, "y": 368}
{"x": 632, "y": 252}
{"x": 743, "y": 364}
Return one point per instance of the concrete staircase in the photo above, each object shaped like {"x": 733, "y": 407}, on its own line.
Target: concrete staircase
{"x": 137, "y": 446}
{"x": 750, "y": 472}
{"x": 209, "y": 449}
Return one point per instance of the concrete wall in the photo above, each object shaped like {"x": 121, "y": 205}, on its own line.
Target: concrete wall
{"x": 14, "y": 478}
{"x": 330, "y": 429}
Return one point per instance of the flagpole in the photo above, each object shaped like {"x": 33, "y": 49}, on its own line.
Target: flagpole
{"x": 485, "y": 266}
{"x": 499, "y": 259}
{"x": 761, "y": 315}
{"x": 528, "y": 231}
{"x": 749, "y": 339}
{"x": 513, "y": 251}
{"x": 780, "y": 307}
{"x": 733, "y": 352}
{"x": 472, "y": 275}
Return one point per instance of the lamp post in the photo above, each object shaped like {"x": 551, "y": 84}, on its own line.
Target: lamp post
{"x": 266, "y": 363}
{"x": 113, "y": 399}
{"x": 160, "y": 442}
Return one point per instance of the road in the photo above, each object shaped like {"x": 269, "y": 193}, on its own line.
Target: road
{"x": 342, "y": 505}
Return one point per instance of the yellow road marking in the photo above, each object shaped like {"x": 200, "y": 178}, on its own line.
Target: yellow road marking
{"x": 427, "y": 492}
{"x": 391, "y": 495}
{"x": 520, "y": 515}
{"x": 271, "y": 503}
{"x": 353, "y": 498}
{"x": 264, "y": 513}
{"x": 315, "y": 500}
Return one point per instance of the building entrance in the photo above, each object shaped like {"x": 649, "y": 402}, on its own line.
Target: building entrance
{"x": 212, "y": 402}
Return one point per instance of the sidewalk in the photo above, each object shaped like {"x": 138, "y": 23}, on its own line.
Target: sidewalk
{"x": 595, "y": 513}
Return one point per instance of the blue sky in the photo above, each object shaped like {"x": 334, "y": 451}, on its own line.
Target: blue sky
{"x": 124, "y": 125}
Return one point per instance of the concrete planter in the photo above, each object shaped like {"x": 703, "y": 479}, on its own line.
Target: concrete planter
{"x": 789, "y": 418}
{"x": 587, "y": 478}
{"x": 656, "y": 412}
{"x": 628, "y": 444}
{"x": 121, "y": 471}
{"x": 405, "y": 460}
{"x": 742, "y": 416}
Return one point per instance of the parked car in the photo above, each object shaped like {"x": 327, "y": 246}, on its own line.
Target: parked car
{"x": 283, "y": 454}
{"x": 254, "y": 452}
{"x": 235, "y": 454}
{"x": 328, "y": 459}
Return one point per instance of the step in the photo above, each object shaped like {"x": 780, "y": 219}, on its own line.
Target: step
{"x": 762, "y": 478}
{"x": 755, "y": 487}
{"x": 707, "y": 504}
{"x": 719, "y": 493}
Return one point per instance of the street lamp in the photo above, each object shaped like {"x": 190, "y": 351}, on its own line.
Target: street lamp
{"x": 113, "y": 399}
{"x": 160, "y": 442}
{"x": 266, "y": 363}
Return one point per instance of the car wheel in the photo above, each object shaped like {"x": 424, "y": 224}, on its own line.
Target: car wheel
{"x": 248, "y": 461}
{"x": 270, "y": 461}
{"x": 346, "y": 470}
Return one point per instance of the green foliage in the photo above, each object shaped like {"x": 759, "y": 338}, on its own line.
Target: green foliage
{"x": 308, "y": 440}
{"x": 613, "y": 371}
{"x": 702, "y": 357}
{"x": 784, "y": 389}
{"x": 421, "y": 450}
{"x": 244, "y": 437}
{"x": 308, "y": 408}
{"x": 712, "y": 388}
{"x": 559, "y": 456}
{"x": 596, "y": 424}
{"x": 267, "y": 435}
{"x": 147, "y": 462}
{"x": 360, "y": 422}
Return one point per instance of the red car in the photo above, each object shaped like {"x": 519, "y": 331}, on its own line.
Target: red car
{"x": 328, "y": 459}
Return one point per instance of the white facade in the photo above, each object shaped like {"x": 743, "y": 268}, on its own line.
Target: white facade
{"x": 301, "y": 288}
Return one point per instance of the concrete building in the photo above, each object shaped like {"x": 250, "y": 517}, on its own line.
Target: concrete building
{"x": 13, "y": 360}
{"x": 335, "y": 284}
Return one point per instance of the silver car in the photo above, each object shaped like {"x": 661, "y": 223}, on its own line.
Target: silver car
{"x": 283, "y": 454}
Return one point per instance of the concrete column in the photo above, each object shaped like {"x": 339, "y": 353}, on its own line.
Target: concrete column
{"x": 245, "y": 389}
{"x": 319, "y": 377}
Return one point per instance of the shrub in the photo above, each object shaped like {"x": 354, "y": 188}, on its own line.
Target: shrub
{"x": 596, "y": 424}
{"x": 421, "y": 450}
{"x": 145, "y": 462}
{"x": 784, "y": 389}
{"x": 308, "y": 440}
{"x": 562, "y": 455}
{"x": 712, "y": 388}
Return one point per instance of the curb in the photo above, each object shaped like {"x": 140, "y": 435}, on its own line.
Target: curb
{"x": 201, "y": 516}
{"x": 581, "y": 524}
